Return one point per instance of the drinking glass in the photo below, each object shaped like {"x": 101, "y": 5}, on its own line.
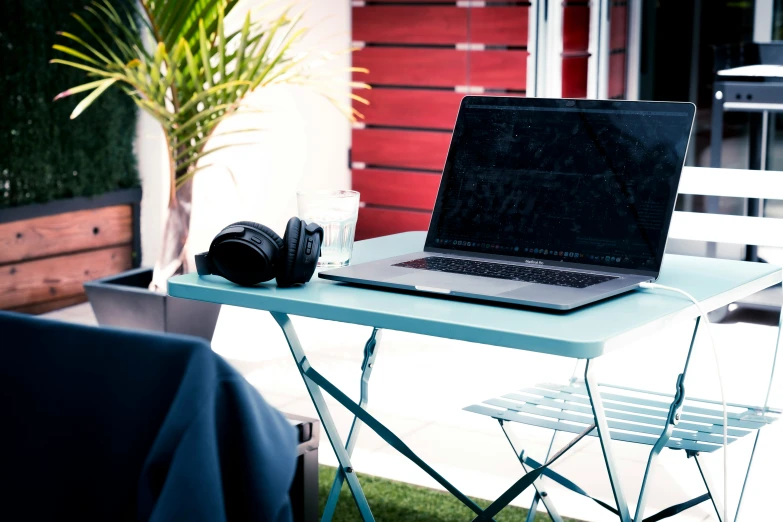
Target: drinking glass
{"x": 336, "y": 211}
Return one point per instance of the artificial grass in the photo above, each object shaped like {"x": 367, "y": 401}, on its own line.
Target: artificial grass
{"x": 392, "y": 501}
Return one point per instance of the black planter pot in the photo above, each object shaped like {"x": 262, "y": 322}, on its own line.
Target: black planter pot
{"x": 123, "y": 300}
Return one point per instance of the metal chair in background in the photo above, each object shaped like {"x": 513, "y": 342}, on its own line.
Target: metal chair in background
{"x": 694, "y": 426}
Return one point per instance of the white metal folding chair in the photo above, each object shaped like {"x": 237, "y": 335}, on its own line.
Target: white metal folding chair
{"x": 651, "y": 418}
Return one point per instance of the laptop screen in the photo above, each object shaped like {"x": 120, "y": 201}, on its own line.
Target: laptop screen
{"x": 576, "y": 181}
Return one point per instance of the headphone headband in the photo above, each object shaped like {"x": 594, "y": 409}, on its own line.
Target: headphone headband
{"x": 203, "y": 266}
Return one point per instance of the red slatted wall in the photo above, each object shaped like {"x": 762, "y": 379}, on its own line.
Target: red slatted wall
{"x": 576, "y": 39}
{"x": 419, "y": 66}
{"x": 419, "y": 69}
{"x": 618, "y": 42}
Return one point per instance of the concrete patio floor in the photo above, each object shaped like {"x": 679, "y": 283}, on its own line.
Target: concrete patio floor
{"x": 420, "y": 385}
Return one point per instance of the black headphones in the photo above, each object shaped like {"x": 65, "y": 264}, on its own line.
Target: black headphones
{"x": 247, "y": 253}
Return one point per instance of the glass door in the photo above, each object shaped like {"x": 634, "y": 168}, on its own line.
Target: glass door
{"x": 587, "y": 49}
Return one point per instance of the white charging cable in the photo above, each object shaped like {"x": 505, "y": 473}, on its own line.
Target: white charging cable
{"x": 705, "y": 320}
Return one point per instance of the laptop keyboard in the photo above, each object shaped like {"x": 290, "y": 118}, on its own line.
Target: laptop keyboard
{"x": 544, "y": 276}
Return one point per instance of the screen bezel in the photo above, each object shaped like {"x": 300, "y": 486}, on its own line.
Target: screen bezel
{"x": 686, "y": 108}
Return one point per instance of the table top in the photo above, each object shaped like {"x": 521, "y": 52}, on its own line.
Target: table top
{"x": 583, "y": 333}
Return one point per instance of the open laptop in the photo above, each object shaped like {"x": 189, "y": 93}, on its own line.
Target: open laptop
{"x": 548, "y": 203}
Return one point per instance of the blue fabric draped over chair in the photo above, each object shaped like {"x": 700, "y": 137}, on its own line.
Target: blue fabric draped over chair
{"x": 101, "y": 424}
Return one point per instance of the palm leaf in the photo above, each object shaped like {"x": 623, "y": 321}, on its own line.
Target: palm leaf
{"x": 240, "y": 54}
{"x": 79, "y": 88}
{"x": 85, "y": 45}
{"x": 221, "y": 41}
{"x": 190, "y": 174}
{"x": 130, "y": 31}
{"x": 204, "y": 95}
{"x": 204, "y": 47}
{"x": 77, "y": 54}
{"x": 100, "y": 40}
{"x": 192, "y": 68}
{"x": 108, "y": 27}
{"x": 87, "y": 101}
{"x": 195, "y": 158}
{"x": 198, "y": 74}
{"x": 83, "y": 67}
{"x": 205, "y": 115}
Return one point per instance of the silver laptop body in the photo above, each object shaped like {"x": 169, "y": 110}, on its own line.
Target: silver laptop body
{"x": 550, "y": 203}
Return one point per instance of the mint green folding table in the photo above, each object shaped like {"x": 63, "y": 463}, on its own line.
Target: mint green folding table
{"x": 585, "y": 333}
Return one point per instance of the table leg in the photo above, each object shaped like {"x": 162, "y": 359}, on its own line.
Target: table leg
{"x": 606, "y": 444}
{"x": 747, "y": 476}
{"x": 367, "y": 365}
{"x": 716, "y": 503}
{"x": 541, "y": 494}
{"x": 529, "y": 479}
{"x": 672, "y": 419}
{"x": 766, "y": 404}
{"x": 325, "y": 415}
{"x": 315, "y": 383}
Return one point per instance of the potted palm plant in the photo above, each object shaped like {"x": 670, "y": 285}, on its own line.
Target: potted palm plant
{"x": 177, "y": 61}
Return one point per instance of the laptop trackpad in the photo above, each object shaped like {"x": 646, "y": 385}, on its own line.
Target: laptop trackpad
{"x": 457, "y": 282}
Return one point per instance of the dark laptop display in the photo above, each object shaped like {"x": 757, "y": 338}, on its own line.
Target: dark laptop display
{"x": 576, "y": 181}
{"x": 549, "y": 203}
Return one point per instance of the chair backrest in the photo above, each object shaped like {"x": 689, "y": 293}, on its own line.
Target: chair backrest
{"x": 721, "y": 228}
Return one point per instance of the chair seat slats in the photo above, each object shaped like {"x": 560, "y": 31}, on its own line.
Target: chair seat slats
{"x": 550, "y": 398}
{"x": 668, "y": 396}
{"x": 624, "y": 436}
{"x": 658, "y": 421}
{"x": 586, "y": 420}
{"x": 632, "y": 415}
{"x": 715, "y": 415}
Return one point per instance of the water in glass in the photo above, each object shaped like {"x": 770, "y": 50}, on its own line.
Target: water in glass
{"x": 337, "y": 245}
{"x": 336, "y": 213}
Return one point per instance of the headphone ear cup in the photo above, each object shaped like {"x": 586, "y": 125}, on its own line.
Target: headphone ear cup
{"x": 289, "y": 270}
{"x": 248, "y": 255}
{"x": 278, "y": 241}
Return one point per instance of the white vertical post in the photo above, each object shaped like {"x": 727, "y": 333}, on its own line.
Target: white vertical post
{"x": 762, "y": 21}
{"x": 598, "y": 63}
{"x": 553, "y": 51}
{"x": 633, "y": 50}
{"x": 533, "y": 48}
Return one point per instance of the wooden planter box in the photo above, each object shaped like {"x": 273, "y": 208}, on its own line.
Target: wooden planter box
{"x": 48, "y": 251}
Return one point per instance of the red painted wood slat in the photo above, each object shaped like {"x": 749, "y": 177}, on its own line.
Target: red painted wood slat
{"x": 410, "y": 24}
{"x": 376, "y": 222}
{"x": 499, "y": 25}
{"x": 574, "y": 79}
{"x": 499, "y": 69}
{"x": 393, "y": 188}
{"x": 618, "y": 33}
{"x": 576, "y": 28}
{"x": 617, "y": 75}
{"x": 400, "y": 148}
{"x": 410, "y": 107}
{"x": 412, "y": 66}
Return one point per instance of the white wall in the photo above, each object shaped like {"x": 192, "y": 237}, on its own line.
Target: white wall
{"x": 304, "y": 145}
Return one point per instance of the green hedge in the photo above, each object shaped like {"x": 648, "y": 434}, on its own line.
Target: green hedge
{"x": 43, "y": 154}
